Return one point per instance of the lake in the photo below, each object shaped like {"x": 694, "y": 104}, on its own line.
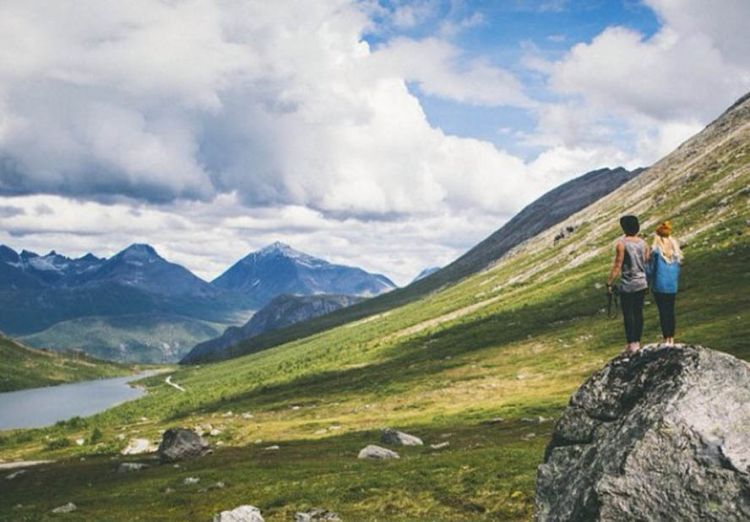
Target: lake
{"x": 38, "y": 407}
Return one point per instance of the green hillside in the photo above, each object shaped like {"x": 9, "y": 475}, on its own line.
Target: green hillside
{"x": 22, "y": 367}
{"x": 137, "y": 338}
{"x": 511, "y": 342}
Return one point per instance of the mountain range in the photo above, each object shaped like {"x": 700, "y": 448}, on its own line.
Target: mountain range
{"x": 279, "y": 269}
{"x": 478, "y": 370}
{"x": 137, "y": 306}
{"x": 547, "y": 211}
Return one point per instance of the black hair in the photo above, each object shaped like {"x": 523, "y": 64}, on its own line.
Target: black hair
{"x": 630, "y": 225}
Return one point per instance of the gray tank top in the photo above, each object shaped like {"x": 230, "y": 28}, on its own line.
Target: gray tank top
{"x": 633, "y": 276}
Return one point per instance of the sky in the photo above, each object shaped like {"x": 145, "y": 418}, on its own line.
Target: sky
{"x": 390, "y": 135}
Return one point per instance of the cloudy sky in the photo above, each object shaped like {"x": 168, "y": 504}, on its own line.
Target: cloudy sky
{"x": 392, "y": 135}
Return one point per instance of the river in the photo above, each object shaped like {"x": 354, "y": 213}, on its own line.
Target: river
{"x": 38, "y": 407}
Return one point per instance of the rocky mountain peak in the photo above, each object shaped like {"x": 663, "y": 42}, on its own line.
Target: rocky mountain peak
{"x": 660, "y": 435}
{"x": 139, "y": 252}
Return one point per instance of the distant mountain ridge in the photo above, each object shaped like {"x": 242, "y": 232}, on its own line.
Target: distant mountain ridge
{"x": 550, "y": 209}
{"x": 59, "y": 302}
{"x": 279, "y": 269}
{"x": 283, "y": 310}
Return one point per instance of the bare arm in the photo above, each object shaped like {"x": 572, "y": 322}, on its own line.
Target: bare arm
{"x": 616, "y": 265}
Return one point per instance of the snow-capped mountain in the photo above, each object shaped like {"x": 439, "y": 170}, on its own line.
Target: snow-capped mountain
{"x": 51, "y": 269}
{"x": 279, "y": 269}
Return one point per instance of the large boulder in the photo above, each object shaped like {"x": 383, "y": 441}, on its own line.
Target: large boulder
{"x": 180, "y": 443}
{"x": 244, "y": 513}
{"x": 374, "y": 452}
{"x": 399, "y": 438}
{"x": 660, "y": 435}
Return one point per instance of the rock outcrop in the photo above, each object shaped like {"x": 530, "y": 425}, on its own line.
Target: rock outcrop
{"x": 399, "y": 438}
{"x": 241, "y": 514}
{"x": 181, "y": 443}
{"x": 660, "y": 435}
{"x": 377, "y": 453}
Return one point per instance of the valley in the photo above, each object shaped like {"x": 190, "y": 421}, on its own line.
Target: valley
{"x": 484, "y": 363}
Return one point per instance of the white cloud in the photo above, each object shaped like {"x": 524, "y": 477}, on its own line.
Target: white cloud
{"x": 644, "y": 94}
{"x": 281, "y": 102}
{"x": 208, "y": 237}
{"x": 441, "y": 69}
{"x": 212, "y": 128}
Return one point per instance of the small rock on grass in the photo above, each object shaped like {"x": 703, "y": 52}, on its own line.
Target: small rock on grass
{"x": 191, "y": 480}
{"x": 377, "y": 453}
{"x": 66, "y": 508}
{"x": 272, "y": 448}
{"x": 126, "y": 467}
{"x": 240, "y": 514}
{"x": 493, "y": 421}
{"x": 399, "y": 438}
{"x": 316, "y": 515}
{"x": 440, "y": 445}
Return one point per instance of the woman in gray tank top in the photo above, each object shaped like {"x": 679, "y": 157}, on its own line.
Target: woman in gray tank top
{"x": 631, "y": 258}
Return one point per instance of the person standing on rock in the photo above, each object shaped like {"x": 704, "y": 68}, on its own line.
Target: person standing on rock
{"x": 664, "y": 274}
{"x": 631, "y": 259}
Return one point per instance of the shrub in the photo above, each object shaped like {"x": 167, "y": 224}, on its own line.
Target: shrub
{"x": 96, "y": 435}
{"x": 60, "y": 443}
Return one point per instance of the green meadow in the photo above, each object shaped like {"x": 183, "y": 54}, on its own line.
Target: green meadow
{"x": 475, "y": 365}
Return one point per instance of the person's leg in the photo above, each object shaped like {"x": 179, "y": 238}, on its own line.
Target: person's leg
{"x": 661, "y": 303}
{"x": 669, "y": 312}
{"x": 626, "y": 303}
{"x": 638, "y": 298}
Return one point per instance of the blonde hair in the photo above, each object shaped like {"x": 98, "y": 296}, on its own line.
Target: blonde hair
{"x": 669, "y": 248}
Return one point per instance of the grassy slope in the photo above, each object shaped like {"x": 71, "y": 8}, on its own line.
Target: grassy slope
{"x": 513, "y": 341}
{"x": 22, "y": 367}
{"x": 134, "y": 338}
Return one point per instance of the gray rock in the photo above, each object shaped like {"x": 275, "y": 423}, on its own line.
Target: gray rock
{"x": 440, "y": 445}
{"x": 377, "y": 453}
{"x": 316, "y": 515}
{"x": 126, "y": 467}
{"x": 399, "y": 438}
{"x": 181, "y": 443}
{"x": 66, "y": 508}
{"x": 660, "y": 435}
{"x": 241, "y": 514}
{"x": 189, "y": 481}
{"x": 138, "y": 447}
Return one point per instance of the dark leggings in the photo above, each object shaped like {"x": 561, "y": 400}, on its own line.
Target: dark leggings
{"x": 665, "y": 302}
{"x": 632, "y": 314}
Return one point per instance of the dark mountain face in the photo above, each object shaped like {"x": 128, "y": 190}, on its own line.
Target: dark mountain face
{"x": 39, "y": 291}
{"x": 550, "y": 209}
{"x": 279, "y": 269}
{"x": 426, "y": 272}
{"x": 139, "y": 266}
{"x": 282, "y": 311}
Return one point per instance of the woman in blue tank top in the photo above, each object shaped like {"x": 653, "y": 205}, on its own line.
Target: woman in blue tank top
{"x": 631, "y": 259}
{"x": 664, "y": 275}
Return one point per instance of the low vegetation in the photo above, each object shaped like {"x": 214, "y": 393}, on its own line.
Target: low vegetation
{"x": 23, "y": 367}
{"x": 483, "y": 365}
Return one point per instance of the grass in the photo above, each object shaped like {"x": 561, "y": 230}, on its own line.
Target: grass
{"x": 136, "y": 338}
{"x": 23, "y": 367}
{"x": 514, "y": 342}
